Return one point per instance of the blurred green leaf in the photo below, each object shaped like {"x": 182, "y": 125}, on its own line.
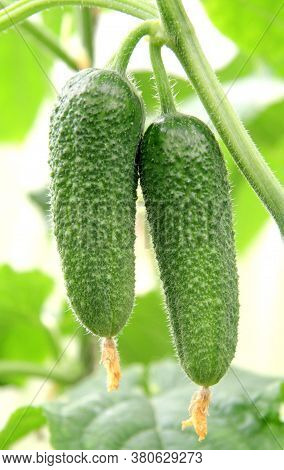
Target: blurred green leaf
{"x": 24, "y": 83}
{"x": 22, "y": 333}
{"x": 241, "y": 66}
{"x": 146, "y": 84}
{"x": 267, "y": 130}
{"x": 23, "y": 292}
{"x": 147, "y": 413}
{"x": 53, "y": 18}
{"x": 67, "y": 322}
{"x": 256, "y": 26}
{"x": 250, "y": 215}
{"x": 23, "y": 421}
{"x": 147, "y": 326}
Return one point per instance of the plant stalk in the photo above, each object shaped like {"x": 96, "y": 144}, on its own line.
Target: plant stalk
{"x": 87, "y": 21}
{"x": 186, "y": 46}
{"x": 163, "y": 85}
{"x": 37, "y": 370}
{"x": 22, "y": 9}
{"x": 121, "y": 59}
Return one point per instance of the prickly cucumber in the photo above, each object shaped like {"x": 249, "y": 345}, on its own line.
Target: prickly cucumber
{"x": 94, "y": 135}
{"x": 187, "y": 197}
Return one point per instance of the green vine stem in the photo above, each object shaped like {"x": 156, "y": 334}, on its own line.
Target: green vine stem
{"x": 89, "y": 352}
{"x": 22, "y": 9}
{"x": 50, "y": 41}
{"x": 8, "y": 368}
{"x": 163, "y": 85}
{"x": 87, "y": 20}
{"x": 121, "y": 59}
{"x": 188, "y": 50}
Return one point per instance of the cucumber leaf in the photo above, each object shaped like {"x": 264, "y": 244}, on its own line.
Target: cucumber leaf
{"x": 147, "y": 325}
{"x": 256, "y": 27}
{"x": 240, "y": 67}
{"x": 23, "y": 336}
{"x": 22, "y": 422}
{"x": 24, "y": 83}
{"x": 147, "y": 411}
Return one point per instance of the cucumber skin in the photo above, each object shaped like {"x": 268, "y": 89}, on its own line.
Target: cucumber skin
{"x": 186, "y": 192}
{"x": 95, "y": 131}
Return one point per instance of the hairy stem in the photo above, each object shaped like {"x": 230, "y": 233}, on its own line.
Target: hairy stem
{"x": 188, "y": 50}
{"x": 163, "y": 85}
{"x": 22, "y": 9}
{"x": 121, "y": 60}
{"x": 37, "y": 370}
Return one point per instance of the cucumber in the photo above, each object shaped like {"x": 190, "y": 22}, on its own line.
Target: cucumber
{"x": 94, "y": 135}
{"x": 187, "y": 197}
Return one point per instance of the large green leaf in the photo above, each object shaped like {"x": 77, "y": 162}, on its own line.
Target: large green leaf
{"x": 147, "y": 326}
{"x": 22, "y": 333}
{"x": 146, "y": 413}
{"x": 24, "y": 82}
{"x": 23, "y": 421}
{"x": 257, "y": 27}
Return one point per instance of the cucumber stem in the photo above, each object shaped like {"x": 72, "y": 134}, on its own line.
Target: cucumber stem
{"x": 87, "y": 21}
{"x": 122, "y": 58}
{"x": 185, "y": 44}
{"x": 163, "y": 84}
{"x": 22, "y": 9}
{"x": 30, "y": 369}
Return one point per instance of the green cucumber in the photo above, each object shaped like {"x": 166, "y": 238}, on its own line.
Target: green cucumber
{"x": 94, "y": 135}
{"x": 187, "y": 197}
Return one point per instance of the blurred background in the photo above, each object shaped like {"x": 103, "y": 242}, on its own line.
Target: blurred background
{"x": 35, "y": 322}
